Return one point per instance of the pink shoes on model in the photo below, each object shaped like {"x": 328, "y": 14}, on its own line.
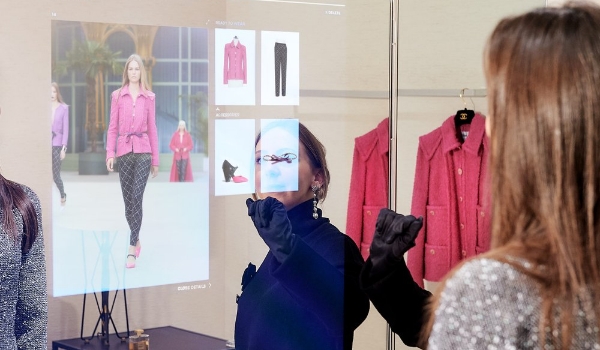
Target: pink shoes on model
{"x": 131, "y": 262}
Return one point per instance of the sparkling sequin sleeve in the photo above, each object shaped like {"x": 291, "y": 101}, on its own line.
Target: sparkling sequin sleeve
{"x": 487, "y": 305}
{"x": 31, "y": 316}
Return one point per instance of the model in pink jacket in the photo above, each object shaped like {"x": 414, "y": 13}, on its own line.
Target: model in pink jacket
{"x": 60, "y": 137}
{"x": 450, "y": 194}
{"x": 60, "y": 126}
{"x": 133, "y": 139}
{"x": 368, "y": 185}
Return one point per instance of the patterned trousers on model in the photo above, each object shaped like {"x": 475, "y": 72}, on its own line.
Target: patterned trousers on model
{"x": 181, "y": 169}
{"x": 280, "y": 67}
{"x": 134, "y": 169}
{"x": 56, "y": 163}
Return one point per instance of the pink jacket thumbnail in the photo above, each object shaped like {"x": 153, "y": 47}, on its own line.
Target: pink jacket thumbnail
{"x": 235, "y": 63}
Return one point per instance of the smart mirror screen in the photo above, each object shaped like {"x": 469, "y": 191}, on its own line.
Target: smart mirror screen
{"x": 221, "y": 73}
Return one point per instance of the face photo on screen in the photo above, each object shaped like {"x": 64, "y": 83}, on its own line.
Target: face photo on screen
{"x": 277, "y": 155}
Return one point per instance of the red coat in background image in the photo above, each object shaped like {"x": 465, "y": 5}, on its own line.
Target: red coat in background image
{"x": 184, "y": 145}
{"x": 368, "y": 185}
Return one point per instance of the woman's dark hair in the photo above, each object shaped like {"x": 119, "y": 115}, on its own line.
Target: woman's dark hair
{"x": 315, "y": 151}
{"x": 12, "y": 196}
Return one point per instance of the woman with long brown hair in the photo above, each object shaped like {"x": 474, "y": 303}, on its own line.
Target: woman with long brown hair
{"x": 539, "y": 286}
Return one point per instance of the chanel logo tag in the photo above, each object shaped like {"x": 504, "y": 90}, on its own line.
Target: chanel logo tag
{"x": 463, "y": 116}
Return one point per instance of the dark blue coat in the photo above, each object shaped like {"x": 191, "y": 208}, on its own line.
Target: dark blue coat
{"x": 310, "y": 301}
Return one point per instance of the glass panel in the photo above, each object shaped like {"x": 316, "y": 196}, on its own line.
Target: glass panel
{"x": 165, "y": 72}
{"x": 166, "y": 43}
{"x": 243, "y": 66}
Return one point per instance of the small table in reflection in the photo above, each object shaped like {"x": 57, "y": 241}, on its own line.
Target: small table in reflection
{"x": 161, "y": 338}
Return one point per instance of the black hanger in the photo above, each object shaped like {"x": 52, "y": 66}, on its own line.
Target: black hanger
{"x": 463, "y": 116}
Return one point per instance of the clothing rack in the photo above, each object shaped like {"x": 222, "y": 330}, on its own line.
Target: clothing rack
{"x": 482, "y": 92}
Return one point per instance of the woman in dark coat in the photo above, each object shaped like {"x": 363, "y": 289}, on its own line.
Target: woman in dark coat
{"x": 305, "y": 294}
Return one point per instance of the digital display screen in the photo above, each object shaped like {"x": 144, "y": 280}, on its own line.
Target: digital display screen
{"x": 225, "y": 72}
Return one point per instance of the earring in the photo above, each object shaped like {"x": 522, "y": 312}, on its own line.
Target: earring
{"x": 315, "y": 188}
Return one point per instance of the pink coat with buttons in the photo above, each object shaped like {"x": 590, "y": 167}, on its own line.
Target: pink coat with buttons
{"x": 450, "y": 194}
{"x": 368, "y": 185}
{"x": 132, "y": 126}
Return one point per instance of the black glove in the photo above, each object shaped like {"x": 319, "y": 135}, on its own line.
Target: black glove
{"x": 394, "y": 235}
{"x": 271, "y": 221}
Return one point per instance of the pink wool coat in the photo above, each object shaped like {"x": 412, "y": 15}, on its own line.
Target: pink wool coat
{"x": 368, "y": 185}
{"x": 450, "y": 194}
{"x": 178, "y": 144}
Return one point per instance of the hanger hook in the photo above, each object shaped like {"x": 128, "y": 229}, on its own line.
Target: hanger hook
{"x": 462, "y": 94}
{"x": 462, "y": 97}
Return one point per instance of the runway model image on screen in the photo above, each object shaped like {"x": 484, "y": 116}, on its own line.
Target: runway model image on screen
{"x": 60, "y": 136}
{"x": 132, "y": 138}
{"x": 181, "y": 145}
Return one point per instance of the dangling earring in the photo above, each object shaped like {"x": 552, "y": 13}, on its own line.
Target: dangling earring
{"x": 315, "y": 188}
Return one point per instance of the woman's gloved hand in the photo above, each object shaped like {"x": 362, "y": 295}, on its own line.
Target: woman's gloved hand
{"x": 271, "y": 221}
{"x": 394, "y": 235}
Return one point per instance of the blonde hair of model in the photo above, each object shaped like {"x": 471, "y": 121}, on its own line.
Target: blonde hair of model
{"x": 58, "y": 95}
{"x": 181, "y": 123}
{"x": 143, "y": 74}
{"x": 544, "y": 160}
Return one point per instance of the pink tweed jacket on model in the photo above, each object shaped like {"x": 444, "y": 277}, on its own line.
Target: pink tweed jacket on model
{"x": 132, "y": 126}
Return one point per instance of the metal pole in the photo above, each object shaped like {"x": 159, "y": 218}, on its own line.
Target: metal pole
{"x": 391, "y": 337}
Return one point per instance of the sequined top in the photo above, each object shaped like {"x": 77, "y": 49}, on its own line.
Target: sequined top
{"x": 488, "y": 304}
{"x": 23, "y": 298}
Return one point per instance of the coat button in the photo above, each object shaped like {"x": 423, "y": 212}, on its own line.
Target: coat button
{"x": 464, "y": 253}
{"x": 460, "y": 171}
{"x": 432, "y": 252}
{"x": 368, "y": 212}
{"x": 482, "y": 214}
{"x": 462, "y": 226}
{"x": 431, "y": 212}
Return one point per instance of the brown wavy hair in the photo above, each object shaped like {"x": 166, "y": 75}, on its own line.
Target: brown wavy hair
{"x": 543, "y": 79}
